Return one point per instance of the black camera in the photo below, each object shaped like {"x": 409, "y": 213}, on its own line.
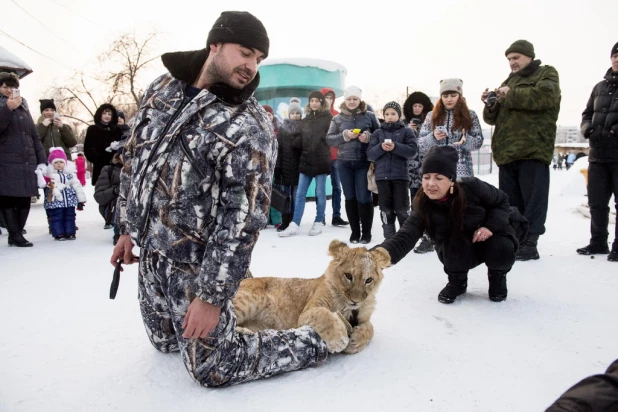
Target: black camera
{"x": 416, "y": 121}
{"x": 491, "y": 99}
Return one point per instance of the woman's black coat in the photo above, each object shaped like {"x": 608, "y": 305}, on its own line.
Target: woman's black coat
{"x": 486, "y": 206}
{"x": 288, "y": 154}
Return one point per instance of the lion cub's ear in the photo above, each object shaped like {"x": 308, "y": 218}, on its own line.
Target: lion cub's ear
{"x": 337, "y": 247}
{"x": 381, "y": 257}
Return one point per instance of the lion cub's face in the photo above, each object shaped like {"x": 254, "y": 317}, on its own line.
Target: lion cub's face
{"x": 355, "y": 273}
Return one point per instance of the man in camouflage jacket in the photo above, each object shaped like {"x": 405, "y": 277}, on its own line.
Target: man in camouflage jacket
{"x": 524, "y": 117}
{"x": 194, "y": 195}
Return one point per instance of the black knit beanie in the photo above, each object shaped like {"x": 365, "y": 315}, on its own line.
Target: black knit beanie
{"x": 392, "y": 105}
{"x": 121, "y": 114}
{"x": 443, "y": 160}
{"x": 239, "y": 27}
{"x": 47, "y": 104}
{"x": 614, "y": 50}
{"x": 521, "y": 46}
{"x": 317, "y": 95}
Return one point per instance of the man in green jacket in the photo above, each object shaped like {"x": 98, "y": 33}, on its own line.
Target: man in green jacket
{"x": 53, "y": 131}
{"x": 524, "y": 111}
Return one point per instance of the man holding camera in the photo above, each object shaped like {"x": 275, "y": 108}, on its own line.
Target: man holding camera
{"x": 524, "y": 111}
{"x": 600, "y": 127}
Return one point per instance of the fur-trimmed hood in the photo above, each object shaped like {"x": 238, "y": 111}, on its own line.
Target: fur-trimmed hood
{"x": 362, "y": 108}
{"x": 97, "y": 116}
{"x": 322, "y": 108}
{"x": 187, "y": 65}
{"x": 69, "y": 169}
{"x": 416, "y": 97}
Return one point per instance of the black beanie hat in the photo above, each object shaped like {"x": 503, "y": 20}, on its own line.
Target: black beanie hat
{"x": 614, "y": 50}
{"x": 121, "y": 114}
{"x": 392, "y": 105}
{"x": 521, "y": 46}
{"x": 239, "y": 27}
{"x": 47, "y": 104}
{"x": 317, "y": 95}
{"x": 443, "y": 160}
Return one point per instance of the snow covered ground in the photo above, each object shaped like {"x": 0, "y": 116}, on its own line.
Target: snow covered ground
{"x": 65, "y": 346}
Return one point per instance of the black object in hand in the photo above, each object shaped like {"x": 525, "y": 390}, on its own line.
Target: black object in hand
{"x": 80, "y": 206}
{"x": 115, "y": 280}
{"x": 491, "y": 99}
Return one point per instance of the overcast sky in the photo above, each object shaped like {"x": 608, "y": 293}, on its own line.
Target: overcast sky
{"x": 385, "y": 47}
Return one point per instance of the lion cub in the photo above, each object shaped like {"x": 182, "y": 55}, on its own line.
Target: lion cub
{"x": 337, "y": 305}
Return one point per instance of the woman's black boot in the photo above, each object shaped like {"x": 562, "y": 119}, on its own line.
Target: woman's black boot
{"x": 457, "y": 285}
{"x": 497, "y": 285}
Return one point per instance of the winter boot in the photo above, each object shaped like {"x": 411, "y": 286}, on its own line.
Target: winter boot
{"x": 366, "y": 218}
{"x": 457, "y": 285}
{"x": 425, "y": 246}
{"x": 286, "y": 218}
{"x": 22, "y": 218}
{"x": 12, "y": 225}
{"x": 339, "y": 222}
{"x": 528, "y": 250}
{"x": 613, "y": 255}
{"x": 351, "y": 209}
{"x": 389, "y": 230}
{"x": 597, "y": 249}
{"x": 497, "y": 285}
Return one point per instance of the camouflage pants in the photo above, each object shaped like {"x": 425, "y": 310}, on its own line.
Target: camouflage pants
{"x": 224, "y": 357}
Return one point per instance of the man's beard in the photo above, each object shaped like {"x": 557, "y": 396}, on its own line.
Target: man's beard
{"x": 219, "y": 75}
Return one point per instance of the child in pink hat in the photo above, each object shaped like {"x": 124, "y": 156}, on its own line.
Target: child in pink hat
{"x": 63, "y": 193}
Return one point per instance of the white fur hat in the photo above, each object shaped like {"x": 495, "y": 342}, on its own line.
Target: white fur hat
{"x": 451, "y": 85}
{"x": 353, "y": 91}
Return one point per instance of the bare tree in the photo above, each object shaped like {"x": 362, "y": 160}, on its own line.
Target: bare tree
{"x": 116, "y": 80}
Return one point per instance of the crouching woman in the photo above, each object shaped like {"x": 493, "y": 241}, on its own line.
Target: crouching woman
{"x": 467, "y": 219}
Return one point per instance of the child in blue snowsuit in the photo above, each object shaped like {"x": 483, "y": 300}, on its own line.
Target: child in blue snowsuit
{"x": 63, "y": 193}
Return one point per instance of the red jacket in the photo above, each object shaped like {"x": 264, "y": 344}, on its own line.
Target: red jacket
{"x": 333, "y": 150}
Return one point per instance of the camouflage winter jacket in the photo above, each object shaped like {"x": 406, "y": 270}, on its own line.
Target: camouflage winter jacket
{"x": 526, "y": 119}
{"x": 197, "y": 177}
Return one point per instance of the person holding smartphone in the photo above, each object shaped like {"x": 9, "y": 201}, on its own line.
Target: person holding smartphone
{"x": 52, "y": 130}
{"x": 21, "y": 153}
{"x": 451, "y": 123}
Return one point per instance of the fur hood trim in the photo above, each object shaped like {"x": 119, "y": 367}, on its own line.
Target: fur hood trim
{"x": 362, "y": 108}
{"x": 97, "y": 116}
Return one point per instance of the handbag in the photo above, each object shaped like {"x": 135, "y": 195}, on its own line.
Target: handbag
{"x": 280, "y": 200}
{"x": 371, "y": 178}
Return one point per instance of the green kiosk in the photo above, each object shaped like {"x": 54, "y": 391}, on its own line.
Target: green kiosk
{"x": 282, "y": 79}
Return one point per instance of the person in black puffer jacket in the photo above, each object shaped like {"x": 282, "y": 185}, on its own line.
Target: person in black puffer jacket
{"x": 106, "y": 192}
{"x": 390, "y": 148}
{"x": 314, "y": 163}
{"x": 352, "y": 160}
{"x": 467, "y": 219}
{"x": 288, "y": 159}
{"x": 99, "y": 137}
{"x": 600, "y": 127}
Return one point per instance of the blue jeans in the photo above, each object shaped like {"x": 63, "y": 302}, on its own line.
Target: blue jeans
{"x": 353, "y": 174}
{"x": 336, "y": 183}
{"x": 301, "y": 197}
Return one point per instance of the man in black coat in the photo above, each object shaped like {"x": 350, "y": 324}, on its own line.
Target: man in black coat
{"x": 600, "y": 127}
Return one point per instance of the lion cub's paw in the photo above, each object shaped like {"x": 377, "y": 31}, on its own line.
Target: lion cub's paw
{"x": 359, "y": 339}
{"x": 334, "y": 334}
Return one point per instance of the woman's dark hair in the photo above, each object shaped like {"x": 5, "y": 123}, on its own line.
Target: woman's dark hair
{"x": 456, "y": 204}
{"x": 461, "y": 115}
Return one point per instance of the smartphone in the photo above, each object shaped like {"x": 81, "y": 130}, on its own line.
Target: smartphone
{"x": 16, "y": 93}
{"x": 56, "y": 116}
{"x": 357, "y": 131}
{"x": 388, "y": 141}
{"x": 441, "y": 129}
